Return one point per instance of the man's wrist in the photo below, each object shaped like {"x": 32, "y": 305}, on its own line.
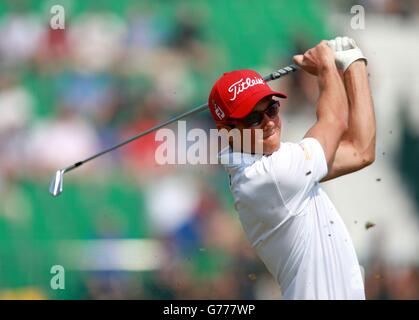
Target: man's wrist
{"x": 359, "y": 64}
{"x": 357, "y": 67}
{"x": 327, "y": 68}
{"x": 327, "y": 75}
{"x": 328, "y": 72}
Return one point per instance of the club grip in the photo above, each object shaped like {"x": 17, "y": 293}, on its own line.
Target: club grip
{"x": 281, "y": 72}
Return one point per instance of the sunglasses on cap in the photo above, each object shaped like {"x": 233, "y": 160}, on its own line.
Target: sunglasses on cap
{"x": 255, "y": 118}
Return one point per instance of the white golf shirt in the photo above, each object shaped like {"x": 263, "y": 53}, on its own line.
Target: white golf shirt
{"x": 291, "y": 222}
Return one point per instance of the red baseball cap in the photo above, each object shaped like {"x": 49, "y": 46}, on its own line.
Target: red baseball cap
{"x": 235, "y": 94}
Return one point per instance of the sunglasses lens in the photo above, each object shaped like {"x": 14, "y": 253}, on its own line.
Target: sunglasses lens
{"x": 272, "y": 110}
{"x": 254, "y": 119}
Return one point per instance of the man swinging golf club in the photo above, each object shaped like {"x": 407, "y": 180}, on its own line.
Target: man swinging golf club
{"x": 287, "y": 217}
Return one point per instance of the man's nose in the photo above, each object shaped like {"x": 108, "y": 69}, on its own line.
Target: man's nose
{"x": 267, "y": 122}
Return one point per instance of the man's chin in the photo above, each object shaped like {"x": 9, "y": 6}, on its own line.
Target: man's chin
{"x": 271, "y": 144}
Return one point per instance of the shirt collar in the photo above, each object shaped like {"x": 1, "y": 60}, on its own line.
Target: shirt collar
{"x": 232, "y": 160}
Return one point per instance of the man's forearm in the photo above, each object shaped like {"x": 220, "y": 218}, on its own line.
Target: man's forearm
{"x": 332, "y": 103}
{"x": 361, "y": 130}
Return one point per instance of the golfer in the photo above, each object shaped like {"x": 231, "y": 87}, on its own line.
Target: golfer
{"x": 286, "y": 215}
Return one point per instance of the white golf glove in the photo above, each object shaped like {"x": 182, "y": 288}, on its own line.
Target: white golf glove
{"x": 346, "y": 52}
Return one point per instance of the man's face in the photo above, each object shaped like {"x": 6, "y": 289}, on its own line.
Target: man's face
{"x": 270, "y": 127}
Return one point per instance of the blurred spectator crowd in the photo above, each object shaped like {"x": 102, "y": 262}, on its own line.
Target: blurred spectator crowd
{"x": 67, "y": 93}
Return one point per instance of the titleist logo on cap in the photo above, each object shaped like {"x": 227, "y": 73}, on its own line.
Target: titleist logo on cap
{"x": 241, "y": 86}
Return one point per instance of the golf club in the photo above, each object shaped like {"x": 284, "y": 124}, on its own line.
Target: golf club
{"x": 56, "y": 186}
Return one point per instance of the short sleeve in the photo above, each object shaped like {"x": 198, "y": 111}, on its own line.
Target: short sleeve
{"x": 314, "y": 154}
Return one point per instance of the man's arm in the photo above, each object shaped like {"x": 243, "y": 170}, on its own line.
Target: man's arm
{"x": 357, "y": 148}
{"x": 332, "y": 105}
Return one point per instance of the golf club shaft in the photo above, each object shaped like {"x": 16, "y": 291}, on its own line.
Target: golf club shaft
{"x": 273, "y": 76}
{"x": 159, "y": 126}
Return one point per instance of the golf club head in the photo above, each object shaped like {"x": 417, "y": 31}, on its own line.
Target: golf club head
{"x": 56, "y": 186}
